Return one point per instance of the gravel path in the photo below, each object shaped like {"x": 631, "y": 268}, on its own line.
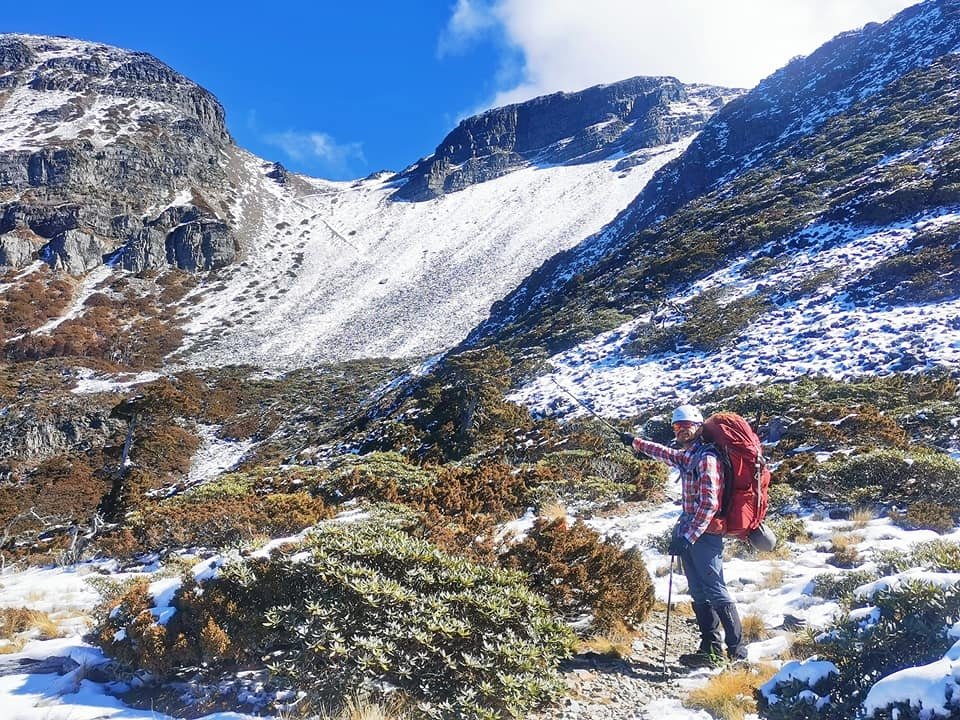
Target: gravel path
{"x": 603, "y": 688}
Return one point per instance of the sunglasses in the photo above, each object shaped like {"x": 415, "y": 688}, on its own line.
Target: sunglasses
{"x": 684, "y": 424}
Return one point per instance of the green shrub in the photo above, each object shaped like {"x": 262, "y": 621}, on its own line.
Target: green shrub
{"x": 578, "y": 572}
{"x": 896, "y": 628}
{"x": 899, "y": 477}
{"x": 935, "y": 555}
{"x": 587, "y": 475}
{"x": 925, "y": 515}
{"x": 840, "y": 586}
{"x": 353, "y": 607}
{"x": 780, "y": 496}
{"x": 789, "y": 529}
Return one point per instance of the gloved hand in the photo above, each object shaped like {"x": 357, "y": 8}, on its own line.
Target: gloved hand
{"x": 627, "y": 439}
{"x": 679, "y": 546}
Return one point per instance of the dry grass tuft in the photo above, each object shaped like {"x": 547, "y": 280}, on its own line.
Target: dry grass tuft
{"x": 17, "y": 621}
{"x": 357, "y": 708}
{"x": 616, "y": 642}
{"x": 754, "y": 628}
{"x": 844, "y": 549}
{"x": 773, "y": 578}
{"x": 19, "y": 625}
{"x": 677, "y": 609}
{"x": 730, "y": 694}
{"x": 553, "y": 511}
{"x": 12, "y": 646}
{"x": 861, "y": 516}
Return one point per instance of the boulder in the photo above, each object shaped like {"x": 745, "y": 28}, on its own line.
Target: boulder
{"x": 15, "y": 251}
{"x": 74, "y": 251}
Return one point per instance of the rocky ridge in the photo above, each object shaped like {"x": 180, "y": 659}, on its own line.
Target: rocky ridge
{"x": 793, "y": 103}
{"x": 97, "y": 142}
{"x": 564, "y": 128}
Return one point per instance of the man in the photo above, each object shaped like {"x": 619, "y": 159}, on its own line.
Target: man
{"x": 698, "y": 536}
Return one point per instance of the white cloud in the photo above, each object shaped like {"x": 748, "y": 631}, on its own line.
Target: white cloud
{"x": 470, "y": 19}
{"x": 571, "y": 44}
{"x": 334, "y": 159}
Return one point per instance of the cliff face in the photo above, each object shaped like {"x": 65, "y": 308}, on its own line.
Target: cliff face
{"x": 96, "y": 143}
{"x": 563, "y": 128}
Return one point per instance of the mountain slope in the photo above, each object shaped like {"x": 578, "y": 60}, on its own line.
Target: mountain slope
{"x": 109, "y": 156}
{"x": 785, "y": 108}
{"x": 350, "y": 273}
{"x": 564, "y": 128}
{"x": 841, "y": 257}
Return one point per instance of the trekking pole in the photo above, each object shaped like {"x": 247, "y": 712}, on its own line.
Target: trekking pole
{"x": 666, "y": 630}
{"x": 584, "y": 405}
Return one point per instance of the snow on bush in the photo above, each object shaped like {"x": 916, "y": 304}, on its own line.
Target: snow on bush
{"x": 354, "y": 606}
{"x": 893, "y": 656}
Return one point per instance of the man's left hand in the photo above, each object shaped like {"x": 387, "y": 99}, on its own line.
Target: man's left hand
{"x": 679, "y": 545}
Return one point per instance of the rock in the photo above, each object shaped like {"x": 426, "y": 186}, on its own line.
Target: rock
{"x": 201, "y": 245}
{"x": 14, "y": 54}
{"x": 559, "y": 128}
{"x": 15, "y": 251}
{"x": 74, "y": 251}
{"x": 146, "y": 153}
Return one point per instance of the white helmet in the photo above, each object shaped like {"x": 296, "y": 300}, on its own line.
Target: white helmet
{"x": 687, "y": 413}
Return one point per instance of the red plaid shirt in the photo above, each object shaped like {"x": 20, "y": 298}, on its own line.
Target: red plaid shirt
{"x": 701, "y": 483}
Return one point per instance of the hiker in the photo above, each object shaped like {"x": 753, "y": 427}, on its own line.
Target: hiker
{"x": 698, "y": 536}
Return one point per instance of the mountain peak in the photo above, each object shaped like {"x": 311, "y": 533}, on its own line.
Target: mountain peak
{"x": 563, "y": 129}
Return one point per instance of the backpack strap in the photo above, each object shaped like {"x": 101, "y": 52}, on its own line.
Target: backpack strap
{"x": 726, "y": 473}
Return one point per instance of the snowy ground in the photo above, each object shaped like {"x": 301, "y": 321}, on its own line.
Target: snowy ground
{"x": 823, "y": 333}
{"x": 343, "y": 271}
{"x": 768, "y": 588}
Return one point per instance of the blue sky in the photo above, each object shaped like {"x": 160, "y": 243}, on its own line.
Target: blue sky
{"x": 341, "y": 89}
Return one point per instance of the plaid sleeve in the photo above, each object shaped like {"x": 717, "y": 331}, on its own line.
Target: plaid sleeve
{"x": 659, "y": 452}
{"x": 708, "y": 497}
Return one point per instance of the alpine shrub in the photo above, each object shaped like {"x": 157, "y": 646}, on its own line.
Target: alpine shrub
{"x": 579, "y": 572}
{"x": 926, "y": 515}
{"x": 840, "y": 585}
{"x": 903, "y": 625}
{"x": 354, "y": 607}
{"x": 898, "y": 477}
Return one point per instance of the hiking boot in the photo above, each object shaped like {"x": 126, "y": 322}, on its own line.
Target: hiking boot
{"x": 700, "y": 659}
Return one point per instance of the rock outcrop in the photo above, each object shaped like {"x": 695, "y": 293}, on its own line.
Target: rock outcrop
{"x": 580, "y": 127}
{"x": 96, "y": 142}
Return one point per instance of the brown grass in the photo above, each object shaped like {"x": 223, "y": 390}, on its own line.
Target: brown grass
{"x": 772, "y": 579}
{"x": 615, "y": 642}
{"x": 553, "y": 511}
{"x": 861, "y": 516}
{"x": 729, "y": 695}
{"x": 355, "y": 708}
{"x": 16, "y": 624}
{"x": 754, "y": 628}
{"x": 844, "y": 549}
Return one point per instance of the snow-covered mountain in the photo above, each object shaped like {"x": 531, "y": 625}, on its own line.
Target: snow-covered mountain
{"x": 109, "y": 155}
{"x": 797, "y": 261}
{"x": 784, "y": 108}
{"x": 811, "y": 227}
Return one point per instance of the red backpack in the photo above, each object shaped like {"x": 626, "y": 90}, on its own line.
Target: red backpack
{"x": 746, "y": 476}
